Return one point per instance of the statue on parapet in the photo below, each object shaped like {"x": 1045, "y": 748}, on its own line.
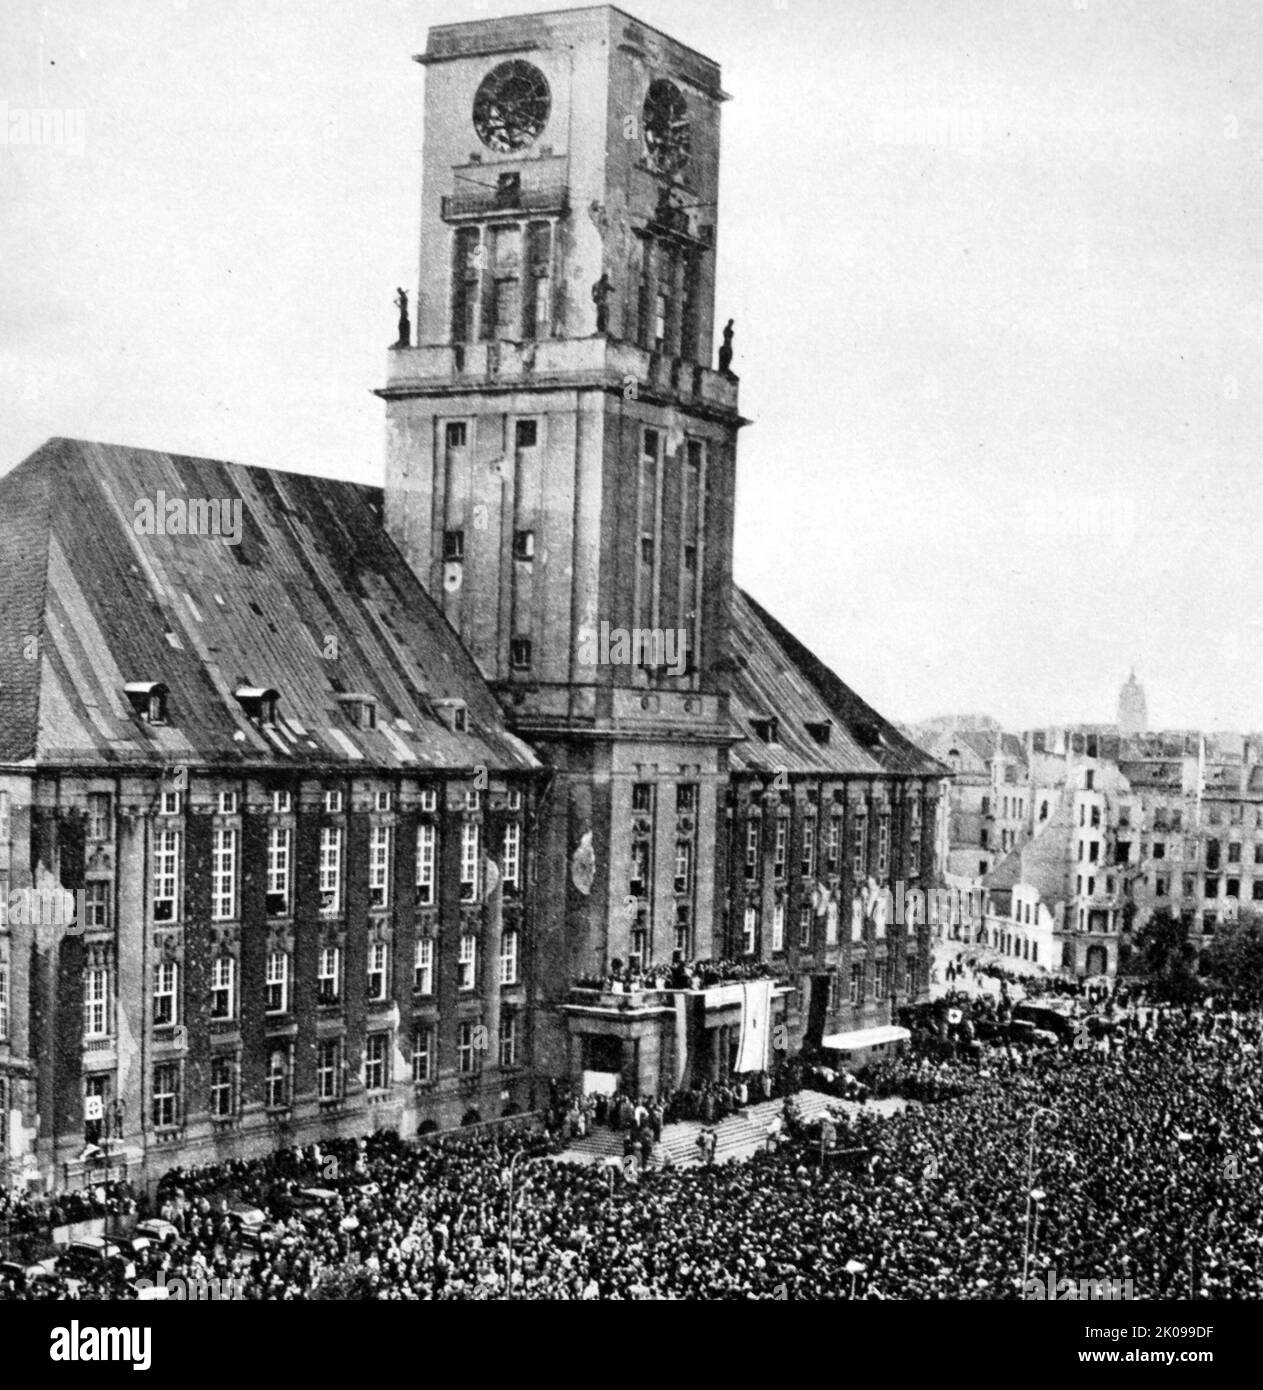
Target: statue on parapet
{"x": 600, "y": 297}
{"x": 725, "y": 352}
{"x": 405, "y": 324}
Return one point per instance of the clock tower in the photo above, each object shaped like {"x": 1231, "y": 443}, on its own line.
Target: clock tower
{"x": 560, "y": 462}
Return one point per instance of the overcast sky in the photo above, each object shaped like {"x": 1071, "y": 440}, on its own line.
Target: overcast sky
{"x": 994, "y": 266}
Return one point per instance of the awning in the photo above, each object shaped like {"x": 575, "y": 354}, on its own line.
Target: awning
{"x": 865, "y": 1037}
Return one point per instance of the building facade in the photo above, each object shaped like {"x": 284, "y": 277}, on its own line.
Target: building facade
{"x": 401, "y": 803}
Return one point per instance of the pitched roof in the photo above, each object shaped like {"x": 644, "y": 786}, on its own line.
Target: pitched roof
{"x": 314, "y": 601}
{"x": 774, "y": 675}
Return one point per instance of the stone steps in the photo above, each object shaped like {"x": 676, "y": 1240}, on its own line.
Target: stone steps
{"x": 736, "y": 1136}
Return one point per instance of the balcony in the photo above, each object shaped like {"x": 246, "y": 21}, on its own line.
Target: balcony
{"x": 609, "y": 1001}
{"x": 507, "y": 201}
{"x": 441, "y": 368}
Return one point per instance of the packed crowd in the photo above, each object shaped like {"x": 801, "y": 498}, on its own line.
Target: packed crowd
{"x": 700, "y": 974}
{"x": 1149, "y": 1159}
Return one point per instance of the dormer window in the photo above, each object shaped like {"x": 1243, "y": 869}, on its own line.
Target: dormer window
{"x": 455, "y": 714}
{"x": 227, "y": 803}
{"x": 360, "y": 709}
{"x": 869, "y": 733}
{"x": 819, "y": 729}
{"x": 524, "y": 545}
{"x": 453, "y": 545}
{"x": 148, "y": 699}
{"x": 258, "y": 702}
{"x": 767, "y": 728}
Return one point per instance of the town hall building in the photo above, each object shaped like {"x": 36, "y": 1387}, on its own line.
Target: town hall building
{"x": 414, "y": 798}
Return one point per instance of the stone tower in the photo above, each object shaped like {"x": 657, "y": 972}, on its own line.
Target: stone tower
{"x": 560, "y": 461}
{"x": 1133, "y": 716}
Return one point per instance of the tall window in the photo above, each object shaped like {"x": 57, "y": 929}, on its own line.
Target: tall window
{"x": 423, "y": 969}
{"x": 883, "y": 846}
{"x": 423, "y": 1053}
{"x": 508, "y": 958}
{"x": 166, "y": 874}
{"x": 224, "y": 987}
{"x": 223, "y": 875}
{"x": 329, "y": 1068}
{"x": 279, "y": 860}
{"x": 327, "y": 975}
{"x": 538, "y": 300}
{"x": 379, "y": 866}
{"x": 859, "y": 846}
{"x": 778, "y": 926}
{"x": 683, "y": 927}
{"x": 223, "y": 1088}
{"x": 97, "y": 903}
{"x": 426, "y": 837}
{"x": 781, "y": 850}
{"x": 468, "y": 962}
{"x": 638, "y": 874}
{"x": 804, "y": 926}
{"x": 466, "y": 1051}
{"x": 469, "y": 861}
{"x": 277, "y": 1077}
{"x": 166, "y": 1095}
{"x": 100, "y": 816}
{"x": 378, "y": 960}
{"x": 833, "y": 851}
{"x": 276, "y": 989}
{"x": 377, "y": 1061}
{"x": 749, "y": 925}
{"x": 508, "y": 1039}
{"x": 683, "y": 866}
{"x": 96, "y": 1002}
{"x": 466, "y": 271}
{"x": 752, "y": 847}
{"x": 4, "y": 998}
{"x": 6, "y": 827}
{"x": 511, "y": 868}
{"x": 166, "y": 978}
{"x": 330, "y": 869}
{"x": 506, "y": 309}
{"x": 809, "y": 848}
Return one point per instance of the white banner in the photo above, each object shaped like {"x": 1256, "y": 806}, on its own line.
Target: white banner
{"x": 756, "y": 1025}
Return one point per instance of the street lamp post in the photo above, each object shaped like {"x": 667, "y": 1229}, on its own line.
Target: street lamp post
{"x": 521, "y": 1153}
{"x": 1030, "y": 1178}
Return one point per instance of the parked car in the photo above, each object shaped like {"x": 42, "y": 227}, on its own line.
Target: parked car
{"x": 157, "y": 1232}
{"x": 245, "y": 1216}
{"x": 92, "y": 1256}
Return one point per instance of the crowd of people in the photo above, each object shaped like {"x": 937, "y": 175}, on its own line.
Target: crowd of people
{"x": 702, "y": 974}
{"x": 1148, "y": 1159}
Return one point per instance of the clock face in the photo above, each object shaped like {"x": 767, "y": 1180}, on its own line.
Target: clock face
{"x": 511, "y": 106}
{"x": 666, "y": 127}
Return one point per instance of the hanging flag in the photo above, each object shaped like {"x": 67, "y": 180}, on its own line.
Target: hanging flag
{"x": 756, "y": 1018}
